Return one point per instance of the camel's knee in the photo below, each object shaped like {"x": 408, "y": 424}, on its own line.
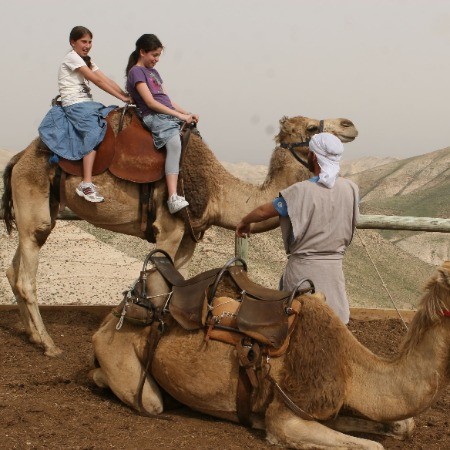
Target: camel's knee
{"x": 25, "y": 290}
{"x": 98, "y": 377}
{"x": 11, "y": 276}
{"x": 42, "y": 232}
{"x": 401, "y": 429}
{"x": 22, "y": 290}
{"x": 168, "y": 231}
{"x": 151, "y": 397}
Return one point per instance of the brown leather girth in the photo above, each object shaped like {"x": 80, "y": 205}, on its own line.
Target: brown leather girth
{"x": 250, "y": 361}
{"x": 153, "y": 338}
{"x": 62, "y": 190}
{"x": 146, "y": 210}
{"x": 243, "y": 398}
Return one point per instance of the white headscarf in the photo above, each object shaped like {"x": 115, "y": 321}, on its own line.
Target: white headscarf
{"x": 328, "y": 149}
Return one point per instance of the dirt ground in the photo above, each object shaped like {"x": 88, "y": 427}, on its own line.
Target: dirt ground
{"x": 50, "y": 403}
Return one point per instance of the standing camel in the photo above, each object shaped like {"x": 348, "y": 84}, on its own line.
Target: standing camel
{"x": 215, "y": 196}
{"x": 325, "y": 372}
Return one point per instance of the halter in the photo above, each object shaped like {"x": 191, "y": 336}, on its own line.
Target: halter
{"x": 291, "y": 147}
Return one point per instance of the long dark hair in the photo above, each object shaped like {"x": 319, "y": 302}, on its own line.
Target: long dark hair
{"x": 77, "y": 33}
{"x": 148, "y": 43}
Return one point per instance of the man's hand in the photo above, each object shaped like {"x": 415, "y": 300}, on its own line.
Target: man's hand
{"x": 243, "y": 229}
{"x": 263, "y": 212}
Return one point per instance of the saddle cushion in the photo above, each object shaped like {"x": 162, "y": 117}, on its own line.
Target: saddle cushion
{"x": 224, "y": 311}
{"x": 130, "y": 155}
{"x": 136, "y": 158}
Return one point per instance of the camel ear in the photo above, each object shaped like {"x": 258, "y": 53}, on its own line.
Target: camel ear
{"x": 285, "y": 125}
{"x": 444, "y": 275}
{"x": 319, "y": 296}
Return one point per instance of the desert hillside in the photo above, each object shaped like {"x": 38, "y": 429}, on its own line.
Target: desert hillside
{"x": 257, "y": 173}
{"x": 418, "y": 186}
{"x": 361, "y": 164}
{"x": 415, "y": 186}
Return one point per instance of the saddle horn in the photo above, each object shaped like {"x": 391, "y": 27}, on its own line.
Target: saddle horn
{"x": 297, "y": 290}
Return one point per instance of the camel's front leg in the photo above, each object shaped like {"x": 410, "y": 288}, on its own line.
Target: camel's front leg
{"x": 401, "y": 429}
{"x": 283, "y": 427}
{"x": 22, "y": 278}
{"x": 184, "y": 254}
{"x": 169, "y": 232}
{"x": 119, "y": 354}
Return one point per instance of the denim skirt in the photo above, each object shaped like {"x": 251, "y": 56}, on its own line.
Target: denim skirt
{"x": 71, "y": 132}
{"x": 163, "y": 127}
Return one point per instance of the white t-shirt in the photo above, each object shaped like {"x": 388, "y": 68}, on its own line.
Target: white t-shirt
{"x": 73, "y": 87}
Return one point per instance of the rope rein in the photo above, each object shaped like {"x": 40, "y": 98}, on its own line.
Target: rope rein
{"x": 381, "y": 278}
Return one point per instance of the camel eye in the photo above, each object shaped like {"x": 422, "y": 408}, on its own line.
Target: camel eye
{"x": 313, "y": 128}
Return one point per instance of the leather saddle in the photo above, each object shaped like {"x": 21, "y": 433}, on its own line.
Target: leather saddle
{"x": 130, "y": 154}
{"x": 261, "y": 313}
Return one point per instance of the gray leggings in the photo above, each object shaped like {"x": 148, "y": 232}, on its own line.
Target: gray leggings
{"x": 173, "y": 147}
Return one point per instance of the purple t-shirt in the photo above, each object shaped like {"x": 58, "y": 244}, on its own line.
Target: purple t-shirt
{"x": 151, "y": 77}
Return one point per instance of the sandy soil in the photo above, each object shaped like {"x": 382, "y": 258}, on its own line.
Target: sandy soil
{"x": 70, "y": 264}
{"x": 49, "y": 403}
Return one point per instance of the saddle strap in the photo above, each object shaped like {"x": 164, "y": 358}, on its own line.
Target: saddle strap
{"x": 144, "y": 206}
{"x": 243, "y": 397}
{"x": 288, "y": 402}
{"x": 153, "y": 338}
{"x": 146, "y": 209}
{"x": 62, "y": 191}
{"x": 250, "y": 360}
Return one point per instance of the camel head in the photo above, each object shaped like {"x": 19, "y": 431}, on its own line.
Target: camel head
{"x": 433, "y": 309}
{"x": 442, "y": 288}
{"x": 436, "y": 301}
{"x": 301, "y": 129}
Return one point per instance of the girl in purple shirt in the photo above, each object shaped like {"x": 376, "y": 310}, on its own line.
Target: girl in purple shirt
{"x": 162, "y": 116}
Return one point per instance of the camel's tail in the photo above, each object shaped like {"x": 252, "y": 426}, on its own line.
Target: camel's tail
{"x": 6, "y": 209}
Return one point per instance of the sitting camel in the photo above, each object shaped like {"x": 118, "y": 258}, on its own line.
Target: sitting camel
{"x": 325, "y": 372}
{"x": 215, "y": 196}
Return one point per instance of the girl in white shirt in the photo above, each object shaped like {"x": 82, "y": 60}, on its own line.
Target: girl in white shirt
{"x": 75, "y": 128}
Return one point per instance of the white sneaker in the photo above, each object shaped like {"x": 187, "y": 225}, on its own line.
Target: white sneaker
{"x": 89, "y": 192}
{"x": 175, "y": 203}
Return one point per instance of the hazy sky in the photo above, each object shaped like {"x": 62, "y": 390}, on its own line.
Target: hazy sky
{"x": 244, "y": 64}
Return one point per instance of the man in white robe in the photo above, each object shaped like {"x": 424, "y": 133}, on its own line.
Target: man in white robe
{"x": 317, "y": 219}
